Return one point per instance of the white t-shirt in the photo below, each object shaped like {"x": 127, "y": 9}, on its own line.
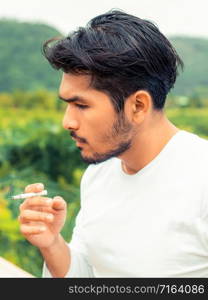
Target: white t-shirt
{"x": 153, "y": 223}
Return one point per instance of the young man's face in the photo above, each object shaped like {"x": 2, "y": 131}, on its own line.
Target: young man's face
{"x": 99, "y": 131}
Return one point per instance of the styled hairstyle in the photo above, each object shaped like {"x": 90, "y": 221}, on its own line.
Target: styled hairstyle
{"x": 122, "y": 53}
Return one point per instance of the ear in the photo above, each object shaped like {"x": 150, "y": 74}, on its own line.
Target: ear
{"x": 141, "y": 105}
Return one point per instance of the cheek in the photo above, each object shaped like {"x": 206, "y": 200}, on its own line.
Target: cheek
{"x": 99, "y": 123}
{"x": 99, "y": 136}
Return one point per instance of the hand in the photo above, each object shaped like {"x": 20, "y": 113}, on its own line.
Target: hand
{"x": 41, "y": 218}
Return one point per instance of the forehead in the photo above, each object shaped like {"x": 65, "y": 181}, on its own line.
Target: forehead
{"x": 72, "y": 84}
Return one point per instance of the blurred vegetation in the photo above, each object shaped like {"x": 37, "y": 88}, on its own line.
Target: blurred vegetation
{"x": 22, "y": 64}
{"x": 34, "y": 148}
{"x": 193, "y": 80}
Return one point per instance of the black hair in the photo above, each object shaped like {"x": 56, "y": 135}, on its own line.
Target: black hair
{"x": 122, "y": 53}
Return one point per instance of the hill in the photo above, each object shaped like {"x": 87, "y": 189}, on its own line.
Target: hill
{"x": 24, "y": 67}
{"x": 194, "y": 53}
{"x": 22, "y": 64}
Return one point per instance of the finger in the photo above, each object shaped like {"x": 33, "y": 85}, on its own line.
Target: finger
{"x": 28, "y": 229}
{"x": 21, "y": 221}
{"x": 34, "y": 188}
{"x": 36, "y": 201}
{"x": 21, "y": 206}
{"x": 31, "y": 215}
{"x": 42, "y": 208}
{"x": 58, "y": 203}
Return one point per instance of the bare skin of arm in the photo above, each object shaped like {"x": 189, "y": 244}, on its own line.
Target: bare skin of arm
{"x": 41, "y": 220}
{"x": 57, "y": 257}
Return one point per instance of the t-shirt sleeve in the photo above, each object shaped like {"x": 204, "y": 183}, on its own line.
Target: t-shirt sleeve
{"x": 80, "y": 266}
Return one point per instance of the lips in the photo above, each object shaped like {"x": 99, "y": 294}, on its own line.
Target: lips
{"x": 76, "y": 140}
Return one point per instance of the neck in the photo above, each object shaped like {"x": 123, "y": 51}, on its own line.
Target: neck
{"x": 147, "y": 144}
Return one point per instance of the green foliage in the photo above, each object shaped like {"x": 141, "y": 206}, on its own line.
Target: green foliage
{"x": 194, "y": 53}
{"x": 190, "y": 119}
{"x": 30, "y": 99}
{"x": 13, "y": 245}
{"x": 22, "y": 64}
{"x": 34, "y": 148}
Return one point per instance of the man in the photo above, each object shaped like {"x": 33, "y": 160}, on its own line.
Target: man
{"x": 144, "y": 195}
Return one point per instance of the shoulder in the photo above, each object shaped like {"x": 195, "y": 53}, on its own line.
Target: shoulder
{"x": 195, "y": 157}
{"x": 195, "y": 145}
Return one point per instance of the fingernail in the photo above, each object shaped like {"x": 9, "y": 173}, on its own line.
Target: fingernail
{"x": 57, "y": 198}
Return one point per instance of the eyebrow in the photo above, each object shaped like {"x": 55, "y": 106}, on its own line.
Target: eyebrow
{"x": 73, "y": 99}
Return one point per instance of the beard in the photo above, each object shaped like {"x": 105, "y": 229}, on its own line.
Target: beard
{"x": 119, "y": 136}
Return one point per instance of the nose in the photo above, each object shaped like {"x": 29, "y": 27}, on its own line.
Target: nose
{"x": 69, "y": 122}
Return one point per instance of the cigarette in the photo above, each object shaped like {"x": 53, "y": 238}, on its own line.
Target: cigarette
{"x": 27, "y": 195}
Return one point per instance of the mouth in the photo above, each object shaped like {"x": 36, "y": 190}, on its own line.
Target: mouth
{"x": 77, "y": 141}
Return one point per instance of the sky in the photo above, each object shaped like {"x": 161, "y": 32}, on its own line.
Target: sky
{"x": 174, "y": 17}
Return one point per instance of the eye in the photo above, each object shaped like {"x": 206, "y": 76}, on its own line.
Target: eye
{"x": 80, "y": 106}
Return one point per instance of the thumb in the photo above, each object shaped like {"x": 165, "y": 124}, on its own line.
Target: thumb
{"x": 58, "y": 203}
